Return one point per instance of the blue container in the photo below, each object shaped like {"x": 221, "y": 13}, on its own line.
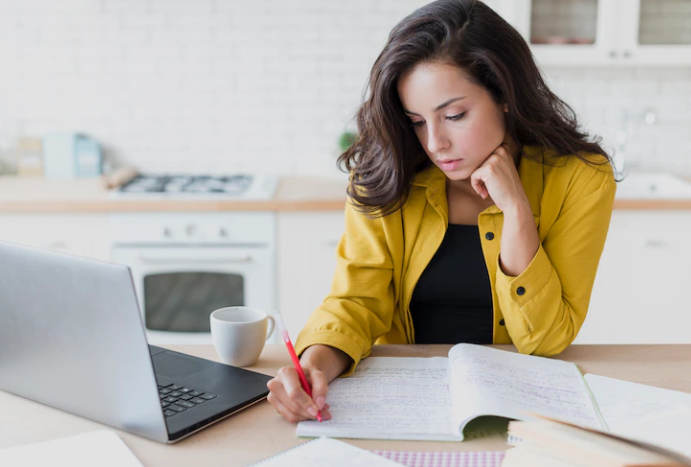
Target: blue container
{"x": 88, "y": 157}
{"x": 71, "y": 155}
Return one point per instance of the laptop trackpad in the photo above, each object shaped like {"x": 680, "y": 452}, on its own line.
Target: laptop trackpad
{"x": 176, "y": 366}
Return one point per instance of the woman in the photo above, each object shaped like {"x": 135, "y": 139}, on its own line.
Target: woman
{"x": 478, "y": 211}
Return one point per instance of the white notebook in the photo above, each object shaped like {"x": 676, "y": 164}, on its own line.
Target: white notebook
{"x": 326, "y": 452}
{"x": 97, "y": 448}
{"x": 435, "y": 398}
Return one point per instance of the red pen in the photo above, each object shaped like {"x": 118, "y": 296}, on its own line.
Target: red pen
{"x": 291, "y": 350}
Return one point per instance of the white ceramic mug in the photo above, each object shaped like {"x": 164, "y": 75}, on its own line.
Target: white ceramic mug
{"x": 239, "y": 334}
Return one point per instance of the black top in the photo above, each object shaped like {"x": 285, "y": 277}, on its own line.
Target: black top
{"x": 452, "y": 300}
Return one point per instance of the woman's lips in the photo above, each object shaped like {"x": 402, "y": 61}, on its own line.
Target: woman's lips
{"x": 449, "y": 164}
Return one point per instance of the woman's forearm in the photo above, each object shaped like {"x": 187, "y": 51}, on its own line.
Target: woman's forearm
{"x": 329, "y": 360}
{"x": 519, "y": 240}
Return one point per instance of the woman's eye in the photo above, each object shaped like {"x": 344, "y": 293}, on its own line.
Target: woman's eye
{"x": 456, "y": 117}
{"x": 451, "y": 117}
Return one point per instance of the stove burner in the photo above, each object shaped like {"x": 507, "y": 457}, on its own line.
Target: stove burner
{"x": 232, "y": 184}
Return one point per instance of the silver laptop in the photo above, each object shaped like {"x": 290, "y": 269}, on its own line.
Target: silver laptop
{"x": 72, "y": 337}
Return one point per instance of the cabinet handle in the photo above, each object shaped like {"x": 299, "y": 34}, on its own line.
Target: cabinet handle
{"x": 654, "y": 243}
{"x": 237, "y": 259}
{"x": 612, "y": 54}
{"x": 331, "y": 243}
{"x": 626, "y": 54}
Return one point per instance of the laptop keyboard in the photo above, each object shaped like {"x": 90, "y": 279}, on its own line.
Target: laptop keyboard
{"x": 176, "y": 399}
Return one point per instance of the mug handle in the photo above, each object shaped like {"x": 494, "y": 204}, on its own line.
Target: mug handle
{"x": 271, "y": 326}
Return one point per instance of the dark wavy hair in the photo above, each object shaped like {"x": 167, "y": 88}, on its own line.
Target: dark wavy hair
{"x": 468, "y": 34}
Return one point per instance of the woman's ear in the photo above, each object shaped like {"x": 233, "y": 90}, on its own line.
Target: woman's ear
{"x": 506, "y": 108}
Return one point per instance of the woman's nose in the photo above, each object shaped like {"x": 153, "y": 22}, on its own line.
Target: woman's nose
{"x": 436, "y": 140}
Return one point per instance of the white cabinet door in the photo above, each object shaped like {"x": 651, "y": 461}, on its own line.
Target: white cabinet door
{"x": 641, "y": 289}
{"x": 306, "y": 262}
{"x": 78, "y": 234}
{"x": 655, "y": 32}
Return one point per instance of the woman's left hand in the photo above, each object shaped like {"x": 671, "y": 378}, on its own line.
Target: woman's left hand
{"x": 498, "y": 178}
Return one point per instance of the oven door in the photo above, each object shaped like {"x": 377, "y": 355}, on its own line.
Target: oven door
{"x": 178, "y": 287}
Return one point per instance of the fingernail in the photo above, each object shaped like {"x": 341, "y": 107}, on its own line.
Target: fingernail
{"x": 312, "y": 411}
{"x": 320, "y": 402}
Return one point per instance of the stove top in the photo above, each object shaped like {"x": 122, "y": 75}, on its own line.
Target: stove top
{"x": 239, "y": 186}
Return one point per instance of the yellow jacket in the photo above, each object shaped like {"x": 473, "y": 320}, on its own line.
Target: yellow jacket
{"x": 379, "y": 261}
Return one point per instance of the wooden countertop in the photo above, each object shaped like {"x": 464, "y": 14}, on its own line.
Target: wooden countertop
{"x": 259, "y": 431}
{"x": 37, "y": 195}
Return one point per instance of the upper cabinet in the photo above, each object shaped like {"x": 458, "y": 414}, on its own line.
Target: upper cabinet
{"x": 657, "y": 32}
{"x": 603, "y": 32}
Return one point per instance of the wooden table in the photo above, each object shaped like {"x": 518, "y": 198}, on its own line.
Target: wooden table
{"x": 259, "y": 431}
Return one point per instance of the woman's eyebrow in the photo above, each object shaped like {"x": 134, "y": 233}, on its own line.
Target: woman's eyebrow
{"x": 440, "y": 106}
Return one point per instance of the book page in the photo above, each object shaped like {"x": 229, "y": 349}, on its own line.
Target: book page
{"x": 487, "y": 381}
{"x": 622, "y": 403}
{"x": 389, "y": 398}
{"x": 326, "y": 451}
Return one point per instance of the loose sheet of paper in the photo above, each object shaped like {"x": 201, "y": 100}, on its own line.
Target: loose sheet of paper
{"x": 101, "y": 448}
{"x": 487, "y": 381}
{"x": 622, "y": 403}
{"x": 669, "y": 429}
{"x": 326, "y": 451}
{"x": 389, "y": 398}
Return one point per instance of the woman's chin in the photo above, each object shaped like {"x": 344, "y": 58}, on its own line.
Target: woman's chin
{"x": 458, "y": 175}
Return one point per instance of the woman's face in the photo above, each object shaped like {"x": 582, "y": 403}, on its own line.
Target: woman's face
{"x": 457, "y": 121}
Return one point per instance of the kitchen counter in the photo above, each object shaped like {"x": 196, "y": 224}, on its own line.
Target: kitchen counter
{"x": 37, "y": 195}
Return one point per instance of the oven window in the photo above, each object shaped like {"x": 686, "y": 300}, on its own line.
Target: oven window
{"x": 183, "y": 301}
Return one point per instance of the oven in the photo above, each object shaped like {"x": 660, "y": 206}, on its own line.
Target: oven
{"x": 186, "y": 265}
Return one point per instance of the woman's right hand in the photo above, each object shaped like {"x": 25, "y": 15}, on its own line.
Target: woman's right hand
{"x": 321, "y": 364}
{"x": 292, "y": 402}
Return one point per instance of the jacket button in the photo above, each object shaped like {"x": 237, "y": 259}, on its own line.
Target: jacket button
{"x": 501, "y": 322}
{"x": 520, "y": 291}
{"x": 489, "y": 236}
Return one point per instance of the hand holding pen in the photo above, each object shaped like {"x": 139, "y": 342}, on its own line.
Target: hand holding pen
{"x": 291, "y": 393}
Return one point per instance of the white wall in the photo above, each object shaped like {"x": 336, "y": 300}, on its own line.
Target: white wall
{"x": 254, "y": 85}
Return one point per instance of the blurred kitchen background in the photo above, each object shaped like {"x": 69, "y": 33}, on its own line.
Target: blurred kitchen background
{"x": 256, "y": 98}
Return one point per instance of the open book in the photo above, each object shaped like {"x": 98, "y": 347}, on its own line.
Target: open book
{"x": 549, "y": 442}
{"x": 435, "y": 398}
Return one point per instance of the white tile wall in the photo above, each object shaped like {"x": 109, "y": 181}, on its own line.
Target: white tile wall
{"x": 599, "y": 96}
{"x": 255, "y": 85}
